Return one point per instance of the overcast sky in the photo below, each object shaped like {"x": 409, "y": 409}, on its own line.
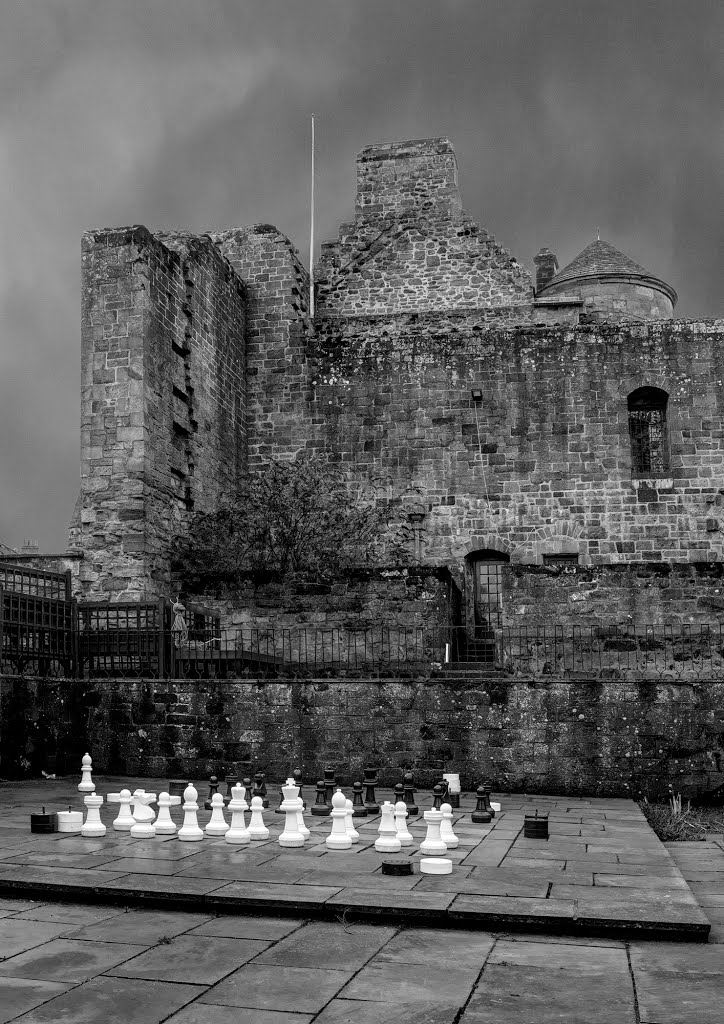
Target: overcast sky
{"x": 565, "y": 117}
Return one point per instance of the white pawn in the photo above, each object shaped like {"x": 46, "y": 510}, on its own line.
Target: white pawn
{"x": 406, "y": 838}
{"x": 446, "y": 829}
{"x": 93, "y": 827}
{"x": 86, "y": 784}
{"x": 291, "y": 805}
{"x": 338, "y": 838}
{"x": 125, "y": 820}
{"x": 218, "y": 825}
{"x": 349, "y": 823}
{"x": 388, "y": 841}
{"x": 143, "y": 827}
{"x": 238, "y": 834}
{"x": 164, "y": 823}
{"x": 141, "y": 811}
{"x": 257, "y": 828}
{"x": 190, "y": 831}
{"x": 433, "y": 845}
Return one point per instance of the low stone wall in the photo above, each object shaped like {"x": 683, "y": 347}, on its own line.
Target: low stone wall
{"x": 393, "y": 598}
{"x": 614, "y": 738}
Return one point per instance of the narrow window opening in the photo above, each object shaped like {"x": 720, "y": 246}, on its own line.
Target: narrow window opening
{"x": 647, "y": 432}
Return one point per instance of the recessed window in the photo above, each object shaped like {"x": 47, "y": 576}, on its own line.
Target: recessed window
{"x": 560, "y": 559}
{"x": 647, "y": 432}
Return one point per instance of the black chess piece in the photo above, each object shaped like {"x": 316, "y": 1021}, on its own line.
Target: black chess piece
{"x": 488, "y": 806}
{"x": 213, "y": 788}
{"x": 330, "y": 784}
{"x": 399, "y": 793}
{"x": 370, "y": 781}
{"x": 260, "y": 788}
{"x": 278, "y": 810}
{"x": 480, "y": 815}
{"x": 437, "y": 797}
{"x": 297, "y": 776}
{"x": 246, "y": 783}
{"x": 358, "y": 808}
{"x": 409, "y": 796}
{"x": 320, "y": 806}
{"x": 231, "y": 781}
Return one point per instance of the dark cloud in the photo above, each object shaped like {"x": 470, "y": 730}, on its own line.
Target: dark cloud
{"x": 566, "y": 117}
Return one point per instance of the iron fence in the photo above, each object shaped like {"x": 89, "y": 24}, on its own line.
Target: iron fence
{"x": 46, "y": 637}
{"x": 38, "y": 635}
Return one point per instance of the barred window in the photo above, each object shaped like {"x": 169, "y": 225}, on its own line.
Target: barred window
{"x": 647, "y": 431}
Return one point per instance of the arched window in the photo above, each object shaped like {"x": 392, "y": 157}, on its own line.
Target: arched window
{"x": 647, "y": 431}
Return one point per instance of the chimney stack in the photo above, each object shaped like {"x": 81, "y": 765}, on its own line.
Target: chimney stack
{"x": 546, "y": 266}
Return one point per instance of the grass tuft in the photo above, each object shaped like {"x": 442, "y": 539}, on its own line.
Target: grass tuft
{"x": 673, "y": 822}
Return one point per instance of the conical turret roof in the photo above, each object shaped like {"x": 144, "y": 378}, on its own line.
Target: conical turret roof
{"x": 600, "y": 258}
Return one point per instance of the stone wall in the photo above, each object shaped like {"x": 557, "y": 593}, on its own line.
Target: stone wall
{"x": 541, "y": 461}
{"x": 162, "y": 401}
{"x": 614, "y": 738}
{"x": 395, "y": 598}
{"x": 276, "y": 287}
{"x": 647, "y": 593}
{"x": 411, "y": 246}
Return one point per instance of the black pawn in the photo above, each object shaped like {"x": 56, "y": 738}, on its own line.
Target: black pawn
{"x": 480, "y": 815}
{"x": 213, "y": 789}
{"x": 437, "y": 797}
{"x": 297, "y": 776}
{"x": 330, "y": 784}
{"x": 358, "y": 808}
{"x": 370, "y": 782}
{"x": 320, "y": 806}
{"x": 246, "y": 783}
{"x": 399, "y": 793}
{"x": 409, "y": 795}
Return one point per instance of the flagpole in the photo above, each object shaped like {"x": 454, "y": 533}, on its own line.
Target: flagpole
{"x": 311, "y": 235}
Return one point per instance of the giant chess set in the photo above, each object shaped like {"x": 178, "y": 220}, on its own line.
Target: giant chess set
{"x": 136, "y": 817}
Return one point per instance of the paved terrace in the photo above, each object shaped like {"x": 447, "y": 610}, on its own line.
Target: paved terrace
{"x": 602, "y": 872}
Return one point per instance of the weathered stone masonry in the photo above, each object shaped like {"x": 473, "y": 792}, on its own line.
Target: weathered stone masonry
{"x": 434, "y": 373}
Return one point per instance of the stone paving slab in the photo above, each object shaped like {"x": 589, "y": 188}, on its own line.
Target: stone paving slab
{"x": 185, "y": 968}
{"x": 602, "y": 870}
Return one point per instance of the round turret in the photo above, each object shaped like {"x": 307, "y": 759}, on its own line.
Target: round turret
{"x": 609, "y": 283}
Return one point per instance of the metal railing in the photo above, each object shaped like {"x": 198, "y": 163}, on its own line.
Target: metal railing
{"x": 42, "y": 637}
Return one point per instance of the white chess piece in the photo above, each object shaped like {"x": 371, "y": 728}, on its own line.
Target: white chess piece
{"x": 218, "y": 825}
{"x": 406, "y": 838}
{"x": 257, "y": 828}
{"x": 143, "y": 826}
{"x": 125, "y": 820}
{"x": 141, "y": 810}
{"x": 238, "y": 833}
{"x": 446, "y": 828}
{"x": 388, "y": 841}
{"x": 349, "y": 823}
{"x": 190, "y": 831}
{"x": 164, "y": 823}
{"x": 338, "y": 838}
{"x": 301, "y": 826}
{"x": 433, "y": 845}
{"x": 86, "y": 784}
{"x": 93, "y": 827}
{"x": 291, "y": 805}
